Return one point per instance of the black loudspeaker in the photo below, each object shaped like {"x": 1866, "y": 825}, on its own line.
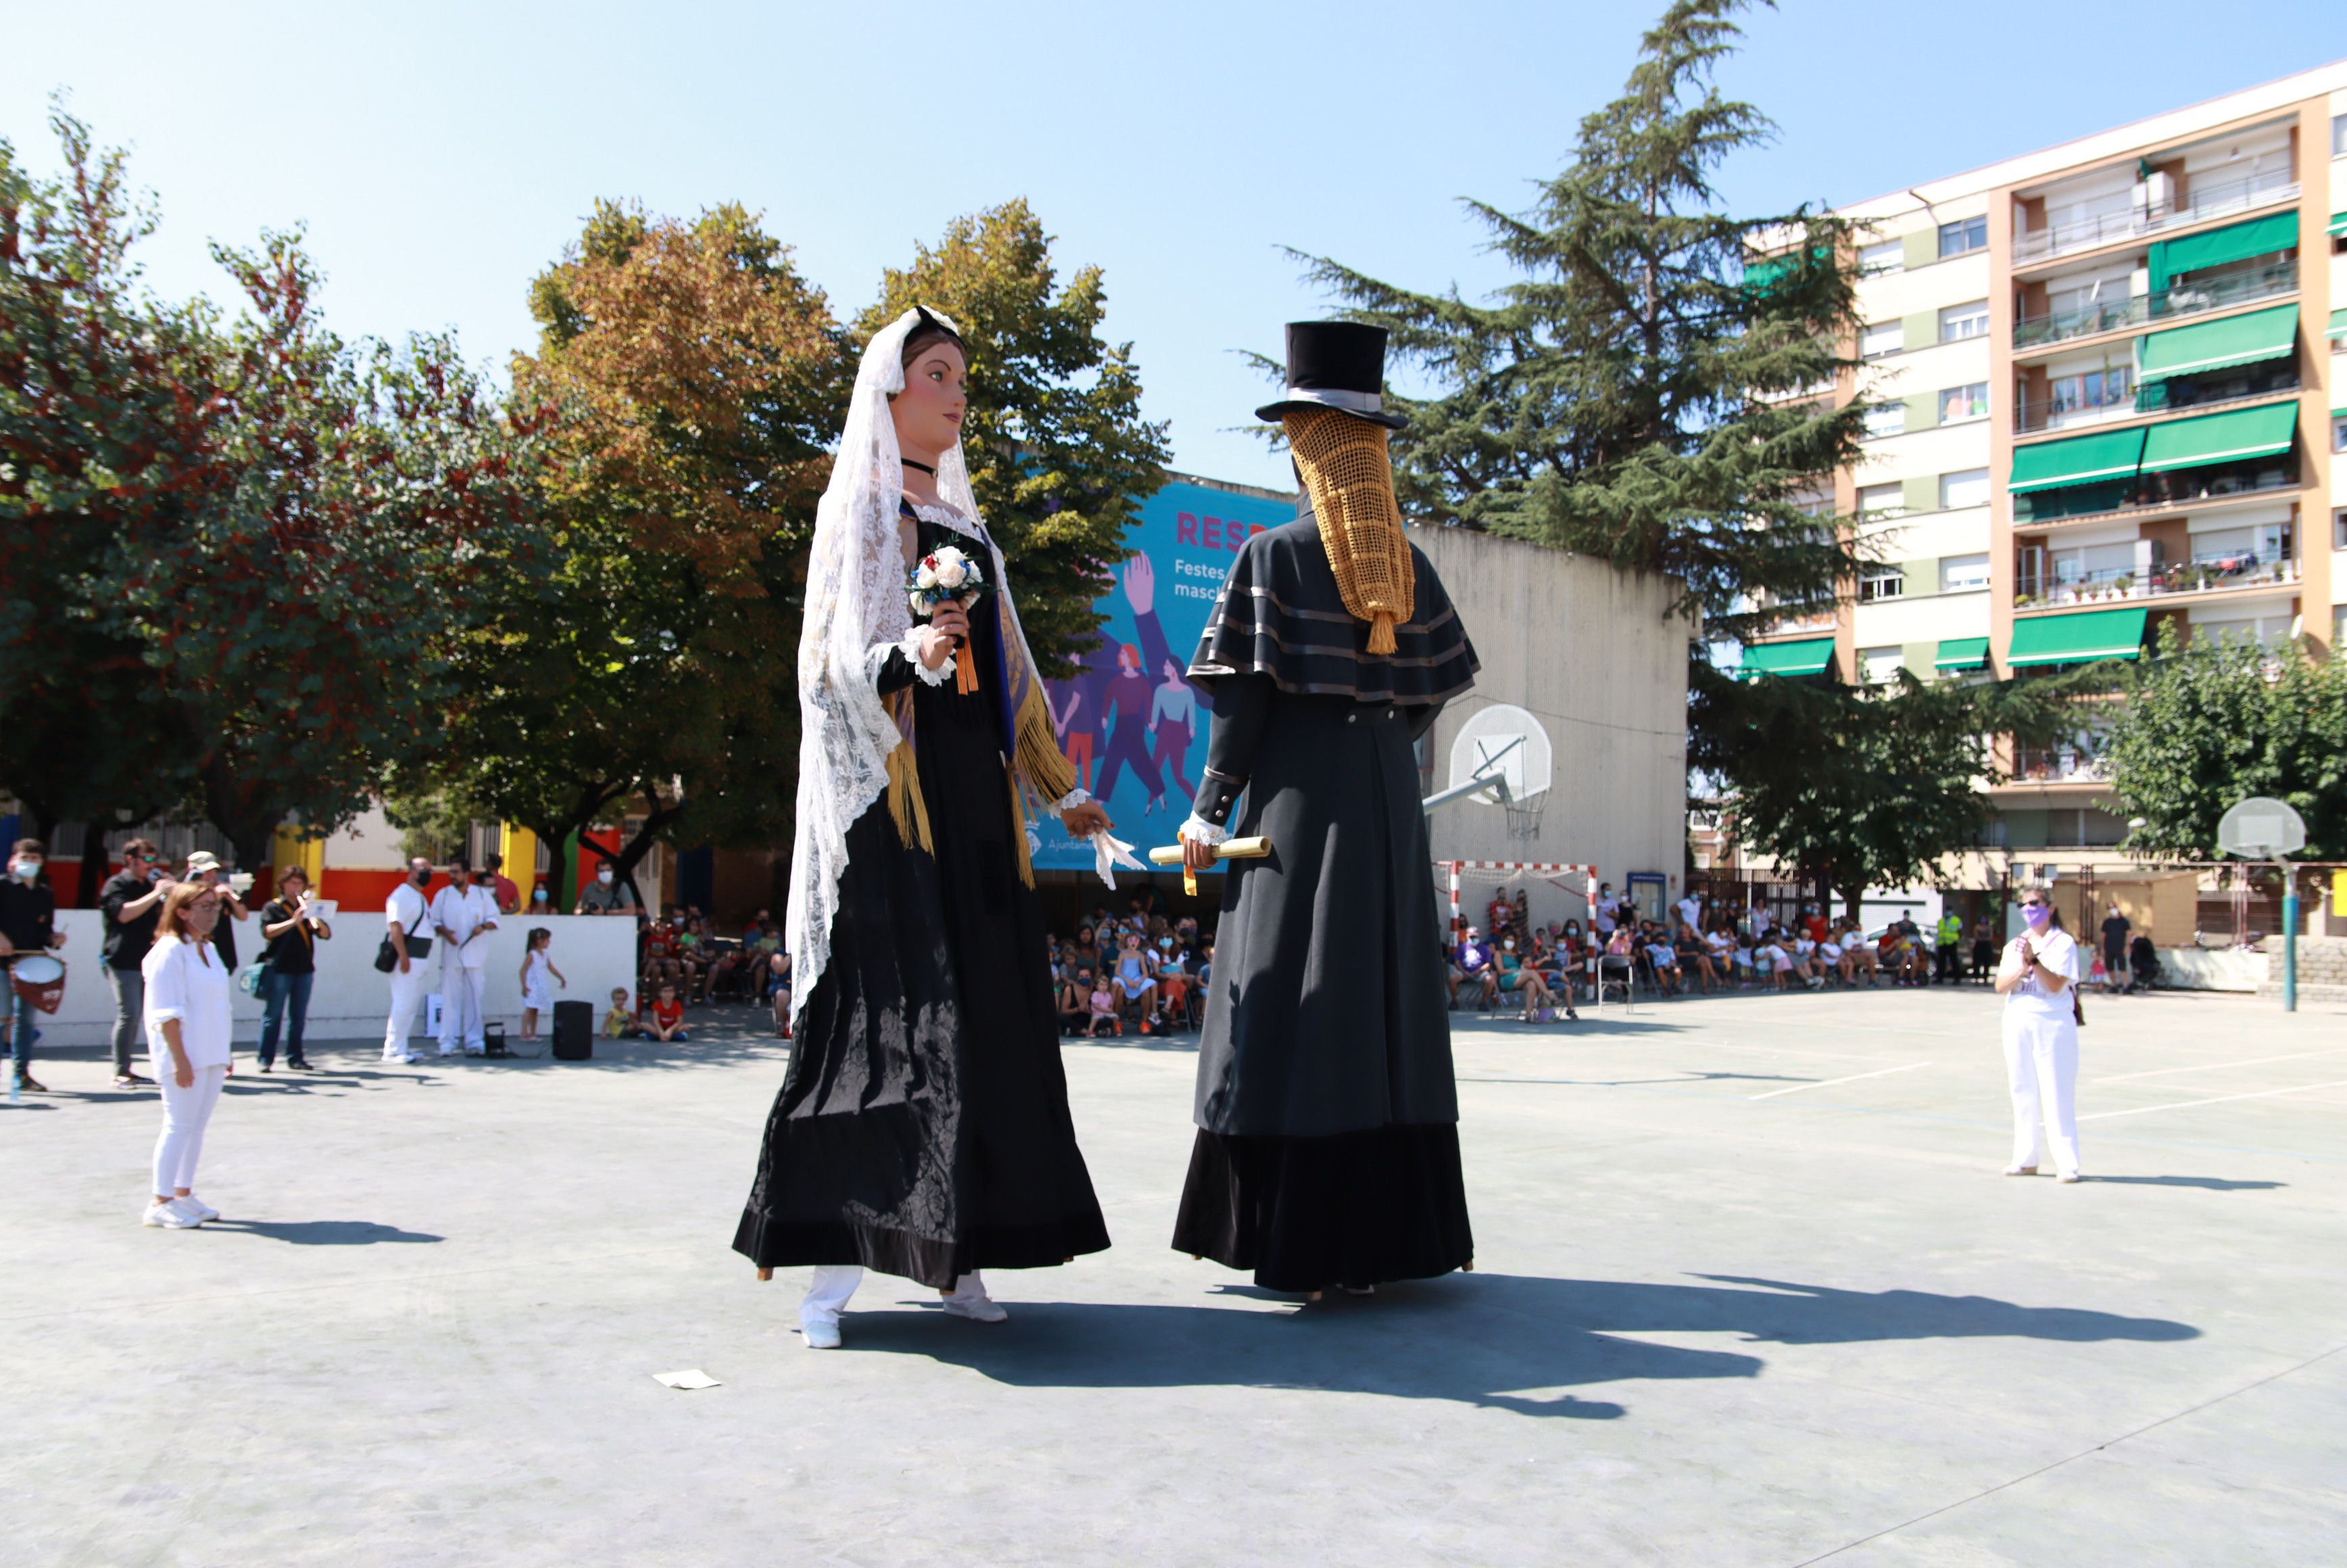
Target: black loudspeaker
{"x": 574, "y": 1031}
{"x": 493, "y": 1039}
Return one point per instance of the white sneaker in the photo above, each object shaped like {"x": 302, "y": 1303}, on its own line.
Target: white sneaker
{"x": 2071, "y": 1176}
{"x": 198, "y": 1206}
{"x": 977, "y": 1308}
{"x": 165, "y": 1217}
{"x": 445, "y": 1051}
{"x": 822, "y": 1333}
{"x": 404, "y": 1058}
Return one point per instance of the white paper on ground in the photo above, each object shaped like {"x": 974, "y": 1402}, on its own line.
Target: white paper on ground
{"x": 693, "y": 1378}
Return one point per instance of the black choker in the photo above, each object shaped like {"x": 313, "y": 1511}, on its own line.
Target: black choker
{"x": 923, "y": 467}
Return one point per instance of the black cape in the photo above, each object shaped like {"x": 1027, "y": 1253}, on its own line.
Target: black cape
{"x": 923, "y": 1127}
{"x": 1328, "y": 1152}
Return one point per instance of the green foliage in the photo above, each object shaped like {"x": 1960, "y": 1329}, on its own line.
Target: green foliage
{"x": 2209, "y": 724}
{"x": 282, "y": 528}
{"x": 1634, "y": 396}
{"x": 1060, "y": 456}
{"x": 1871, "y": 786}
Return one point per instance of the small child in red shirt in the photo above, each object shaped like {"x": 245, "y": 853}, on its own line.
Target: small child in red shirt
{"x": 667, "y": 1016}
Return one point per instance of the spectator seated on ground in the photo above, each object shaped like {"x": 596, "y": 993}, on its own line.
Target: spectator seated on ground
{"x": 620, "y": 1022}
{"x": 1075, "y": 995}
{"x": 1104, "y": 1019}
{"x": 664, "y": 1020}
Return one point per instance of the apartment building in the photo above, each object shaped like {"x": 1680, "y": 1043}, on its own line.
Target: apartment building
{"x": 2115, "y": 378}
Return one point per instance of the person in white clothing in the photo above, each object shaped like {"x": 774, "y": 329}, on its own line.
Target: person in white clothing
{"x": 408, "y": 916}
{"x": 186, "y": 1011}
{"x": 2037, "y": 980}
{"x": 464, "y": 913}
{"x": 536, "y": 996}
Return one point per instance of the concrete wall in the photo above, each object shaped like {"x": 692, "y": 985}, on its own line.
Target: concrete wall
{"x": 1593, "y": 653}
{"x": 349, "y": 1000}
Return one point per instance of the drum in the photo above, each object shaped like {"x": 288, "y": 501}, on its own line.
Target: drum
{"x": 40, "y": 979}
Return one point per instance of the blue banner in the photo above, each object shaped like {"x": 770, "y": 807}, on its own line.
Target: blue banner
{"x": 1133, "y": 726}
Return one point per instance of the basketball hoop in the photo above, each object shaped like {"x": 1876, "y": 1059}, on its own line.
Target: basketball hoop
{"x": 1524, "y": 816}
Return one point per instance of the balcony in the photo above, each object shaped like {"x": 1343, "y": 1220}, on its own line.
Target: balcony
{"x": 2171, "y": 304}
{"x": 2122, "y": 585}
{"x": 2058, "y": 764}
{"x": 2040, "y": 414}
{"x": 2197, "y": 206}
{"x": 2151, "y": 493}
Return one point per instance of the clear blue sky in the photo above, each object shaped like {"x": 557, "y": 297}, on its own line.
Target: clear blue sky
{"x": 442, "y": 154}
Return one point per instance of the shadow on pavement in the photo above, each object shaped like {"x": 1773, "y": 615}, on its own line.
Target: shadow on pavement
{"x": 323, "y": 1233}
{"x": 2214, "y": 1184}
{"x": 1498, "y": 1341}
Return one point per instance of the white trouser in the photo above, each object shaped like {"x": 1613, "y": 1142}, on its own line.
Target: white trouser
{"x": 407, "y": 994}
{"x": 461, "y": 990}
{"x": 833, "y": 1282}
{"x": 186, "y": 1113}
{"x": 2041, "y": 1065}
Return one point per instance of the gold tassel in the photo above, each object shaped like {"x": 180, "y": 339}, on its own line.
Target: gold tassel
{"x": 906, "y": 805}
{"x": 1018, "y": 832}
{"x": 966, "y": 669}
{"x": 1038, "y": 759}
{"x": 1381, "y": 637}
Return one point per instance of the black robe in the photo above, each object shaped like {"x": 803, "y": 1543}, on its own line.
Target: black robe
{"x": 1327, "y": 1149}
{"x": 923, "y": 1127}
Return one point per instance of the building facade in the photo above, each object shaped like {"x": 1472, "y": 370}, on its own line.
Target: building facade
{"x": 2112, "y": 372}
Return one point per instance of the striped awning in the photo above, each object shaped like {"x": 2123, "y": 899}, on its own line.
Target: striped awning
{"x": 2077, "y": 638}
{"x": 1808, "y": 656}
{"x": 2251, "y": 339}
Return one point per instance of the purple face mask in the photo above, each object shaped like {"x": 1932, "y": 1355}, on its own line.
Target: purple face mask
{"x": 2037, "y": 915}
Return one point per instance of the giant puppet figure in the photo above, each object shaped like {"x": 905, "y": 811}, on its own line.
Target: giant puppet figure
{"x": 1328, "y": 1144}
{"x": 923, "y": 1128}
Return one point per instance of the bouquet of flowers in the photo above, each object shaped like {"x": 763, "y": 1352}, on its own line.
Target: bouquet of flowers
{"x": 947, "y": 576}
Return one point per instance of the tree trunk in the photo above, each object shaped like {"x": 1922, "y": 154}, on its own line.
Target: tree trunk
{"x": 632, "y": 852}
{"x": 93, "y": 865}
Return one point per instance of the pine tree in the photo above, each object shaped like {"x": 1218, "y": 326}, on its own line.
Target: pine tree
{"x": 1645, "y": 391}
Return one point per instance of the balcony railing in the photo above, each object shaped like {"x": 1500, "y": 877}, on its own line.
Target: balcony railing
{"x": 2058, "y": 764}
{"x": 2200, "y": 204}
{"x": 2119, "y": 585}
{"x": 2160, "y": 304}
{"x": 2151, "y": 492}
{"x": 2152, "y": 397}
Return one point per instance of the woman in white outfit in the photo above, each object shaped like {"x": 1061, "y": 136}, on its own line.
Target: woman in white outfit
{"x": 2037, "y": 980}
{"x": 187, "y": 1019}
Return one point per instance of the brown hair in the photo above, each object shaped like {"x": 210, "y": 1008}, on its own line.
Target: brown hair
{"x": 927, "y": 330}
{"x": 182, "y": 897}
{"x": 139, "y": 847}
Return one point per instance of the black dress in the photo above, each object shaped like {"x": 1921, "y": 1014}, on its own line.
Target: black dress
{"x": 923, "y": 1127}
{"x": 1327, "y": 1148}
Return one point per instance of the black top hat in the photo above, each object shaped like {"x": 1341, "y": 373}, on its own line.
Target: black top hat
{"x": 1336, "y": 364}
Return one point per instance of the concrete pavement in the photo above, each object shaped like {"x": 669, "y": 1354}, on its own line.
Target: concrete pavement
{"x": 1748, "y": 1290}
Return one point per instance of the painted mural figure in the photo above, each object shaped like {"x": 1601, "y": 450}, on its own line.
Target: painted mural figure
{"x": 1328, "y": 1144}
{"x": 1172, "y": 722}
{"x": 1104, "y": 713}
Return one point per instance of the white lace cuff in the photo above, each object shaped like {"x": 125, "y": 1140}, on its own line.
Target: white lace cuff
{"x": 1073, "y": 799}
{"x": 1198, "y": 830}
{"x": 911, "y": 649}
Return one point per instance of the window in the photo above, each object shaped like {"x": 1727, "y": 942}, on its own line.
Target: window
{"x": 2339, "y": 529}
{"x": 1965, "y": 234}
{"x": 1890, "y": 419}
{"x": 1890, "y": 256}
{"x": 2338, "y": 434}
{"x": 1879, "y": 581}
{"x": 2338, "y": 135}
{"x": 2105, "y": 388}
{"x": 1880, "y": 665}
{"x": 1966, "y": 488}
{"x": 1963, "y": 574}
{"x": 1881, "y": 338}
{"x": 1880, "y": 500}
{"x": 1964, "y": 403}
{"x": 1959, "y": 321}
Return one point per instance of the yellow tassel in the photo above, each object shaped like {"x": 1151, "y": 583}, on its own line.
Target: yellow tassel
{"x": 1018, "y": 832}
{"x": 907, "y": 807}
{"x": 1381, "y": 637}
{"x": 966, "y": 671}
{"x": 1038, "y": 759}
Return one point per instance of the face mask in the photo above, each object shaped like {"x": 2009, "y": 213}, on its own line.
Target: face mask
{"x": 604, "y": 877}
{"x": 24, "y": 870}
{"x": 2038, "y": 915}
{"x": 538, "y": 895}
{"x": 1166, "y": 941}
{"x": 420, "y": 878}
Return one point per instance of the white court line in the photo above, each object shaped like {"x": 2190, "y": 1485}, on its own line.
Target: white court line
{"x": 1830, "y": 1083}
{"x": 2219, "y": 1100}
{"x": 2212, "y": 1066}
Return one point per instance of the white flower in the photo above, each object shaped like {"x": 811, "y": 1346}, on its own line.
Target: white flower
{"x": 953, "y": 568}
{"x": 926, "y": 577}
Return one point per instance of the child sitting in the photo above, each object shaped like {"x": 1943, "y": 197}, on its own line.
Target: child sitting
{"x": 666, "y": 1016}
{"x": 1104, "y": 1019}
{"x": 620, "y": 1023}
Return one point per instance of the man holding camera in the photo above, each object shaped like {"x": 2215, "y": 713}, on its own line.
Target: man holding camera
{"x": 292, "y": 927}
{"x": 130, "y": 903}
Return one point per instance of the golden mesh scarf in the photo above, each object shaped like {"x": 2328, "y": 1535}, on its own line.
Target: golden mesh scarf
{"x": 1350, "y": 478}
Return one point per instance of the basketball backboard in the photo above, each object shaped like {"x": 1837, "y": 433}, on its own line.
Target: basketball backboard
{"x": 1506, "y": 742}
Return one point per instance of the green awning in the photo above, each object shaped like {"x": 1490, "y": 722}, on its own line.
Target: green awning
{"x": 1761, "y": 275}
{"x": 2235, "y": 242}
{"x": 1808, "y": 657}
{"x": 2220, "y": 438}
{"x": 2215, "y": 345}
{"x": 1961, "y": 653}
{"x": 2338, "y": 328}
{"x": 2080, "y": 460}
{"x": 2076, "y": 638}
{"x": 2338, "y": 223}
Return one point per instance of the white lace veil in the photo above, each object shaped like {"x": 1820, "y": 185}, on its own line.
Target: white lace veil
{"x": 857, "y": 611}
